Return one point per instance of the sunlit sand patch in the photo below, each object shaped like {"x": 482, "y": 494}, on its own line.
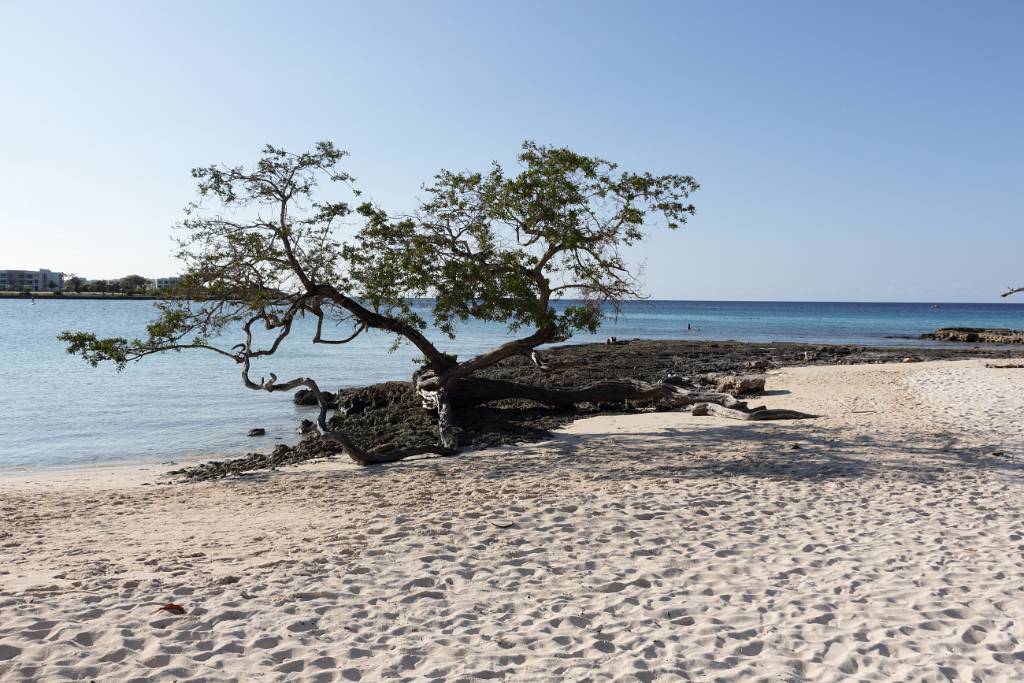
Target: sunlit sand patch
{"x": 881, "y": 541}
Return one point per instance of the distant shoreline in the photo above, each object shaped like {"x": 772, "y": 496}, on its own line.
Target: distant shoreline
{"x": 940, "y": 305}
{"x": 82, "y": 296}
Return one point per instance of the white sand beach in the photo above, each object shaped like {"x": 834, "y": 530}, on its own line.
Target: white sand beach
{"x": 882, "y": 541}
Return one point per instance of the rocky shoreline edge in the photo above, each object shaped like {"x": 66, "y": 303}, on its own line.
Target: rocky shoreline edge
{"x": 976, "y": 335}
{"x": 390, "y": 412}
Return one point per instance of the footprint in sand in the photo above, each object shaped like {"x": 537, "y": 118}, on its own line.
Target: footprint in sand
{"x": 974, "y": 635}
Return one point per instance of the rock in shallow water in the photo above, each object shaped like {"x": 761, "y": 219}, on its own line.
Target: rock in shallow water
{"x": 305, "y": 397}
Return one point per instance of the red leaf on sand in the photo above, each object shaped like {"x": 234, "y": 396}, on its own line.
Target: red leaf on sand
{"x": 172, "y": 608}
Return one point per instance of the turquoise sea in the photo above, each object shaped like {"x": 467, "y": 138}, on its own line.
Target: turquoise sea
{"x": 57, "y": 411}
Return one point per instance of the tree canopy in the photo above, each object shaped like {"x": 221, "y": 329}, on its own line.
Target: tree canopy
{"x": 131, "y": 283}
{"x": 261, "y": 246}
{"x": 499, "y": 247}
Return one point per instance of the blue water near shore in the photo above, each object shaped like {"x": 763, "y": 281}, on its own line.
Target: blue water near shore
{"x": 57, "y": 411}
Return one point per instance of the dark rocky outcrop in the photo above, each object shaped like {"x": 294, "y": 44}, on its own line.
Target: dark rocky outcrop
{"x": 391, "y": 413}
{"x": 305, "y": 397}
{"x": 972, "y": 335}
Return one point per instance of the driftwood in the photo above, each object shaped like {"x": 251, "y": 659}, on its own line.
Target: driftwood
{"x": 477, "y": 390}
{"x": 1005, "y": 366}
{"x": 754, "y": 415}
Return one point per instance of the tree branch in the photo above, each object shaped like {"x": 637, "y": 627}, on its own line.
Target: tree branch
{"x": 349, "y": 447}
{"x": 507, "y": 350}
{"x": 369, "y": 318}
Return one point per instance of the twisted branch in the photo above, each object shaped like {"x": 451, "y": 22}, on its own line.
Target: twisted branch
{"x": 349, "y": 447}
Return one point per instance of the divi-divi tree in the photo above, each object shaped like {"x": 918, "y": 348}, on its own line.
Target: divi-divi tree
{"x": 261, "y": 248}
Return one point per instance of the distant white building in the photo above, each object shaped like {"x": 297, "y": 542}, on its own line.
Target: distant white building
{"x": 41, "y": 280}
{"x": 165, "y": 282}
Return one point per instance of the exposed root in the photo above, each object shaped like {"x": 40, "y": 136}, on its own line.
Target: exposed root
{"x": 474, "y": 391}
{"x": 755, "y": 415}
{"x": 350, "y": 448}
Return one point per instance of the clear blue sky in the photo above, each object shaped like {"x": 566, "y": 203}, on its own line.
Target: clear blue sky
{"x": 847, "y": 151}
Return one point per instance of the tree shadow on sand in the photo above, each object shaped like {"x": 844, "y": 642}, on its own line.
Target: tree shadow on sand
{"x": 779, "y": 451}
{"x": 792, "y": 451}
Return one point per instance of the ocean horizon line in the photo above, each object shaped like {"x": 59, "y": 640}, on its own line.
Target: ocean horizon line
{"x": 69, "y": 296}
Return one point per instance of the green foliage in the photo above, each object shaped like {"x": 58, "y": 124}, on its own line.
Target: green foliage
{"x": 500, "y": 247}
{"x": 94, "y": 350}
{"x": 96, "y": 286}
{"x": 270, "y": 238}
{"x": 133, "y": 283}
{"x": 259, "y": 247}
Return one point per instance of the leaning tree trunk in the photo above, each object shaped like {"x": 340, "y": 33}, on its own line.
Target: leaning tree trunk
{"x": 760, "y": 414}
{"x": 475, "y": 391}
